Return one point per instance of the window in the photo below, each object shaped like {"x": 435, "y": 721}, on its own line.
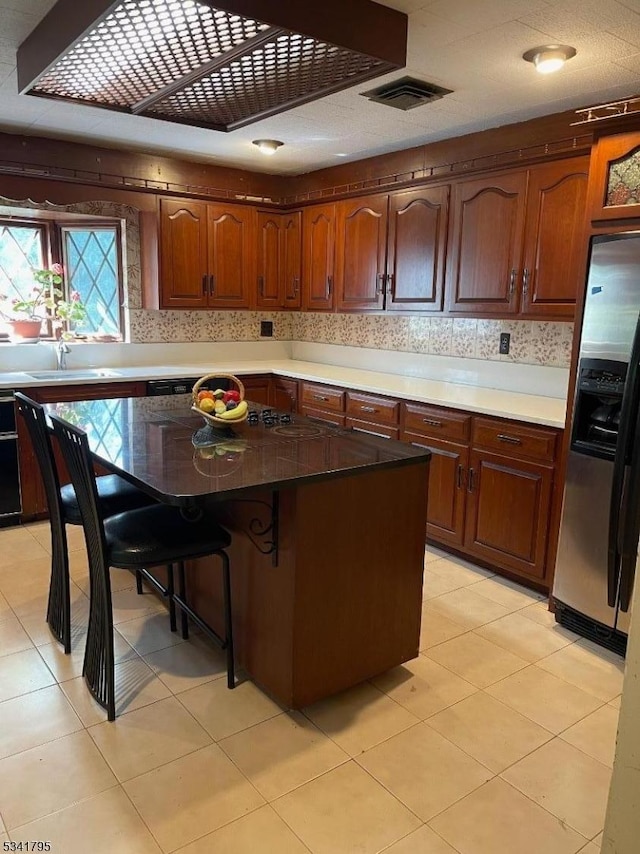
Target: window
{"x": 90, "y": 253}
{"x": 92, "y": 267}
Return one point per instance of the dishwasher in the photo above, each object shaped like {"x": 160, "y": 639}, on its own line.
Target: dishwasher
{"x": 10, "y": 500}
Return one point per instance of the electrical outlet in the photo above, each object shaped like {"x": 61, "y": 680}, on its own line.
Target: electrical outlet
{"x": 505, "y": 341}
{"x": 266, "y": 329}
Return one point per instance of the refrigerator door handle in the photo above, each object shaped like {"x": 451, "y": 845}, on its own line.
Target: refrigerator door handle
{"x": 630, "y": 523}
{"x": 624, "y": 445}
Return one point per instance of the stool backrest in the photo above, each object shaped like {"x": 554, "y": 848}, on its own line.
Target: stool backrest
{"x": 35, "y": 421}
{"x": 74, "y": 446}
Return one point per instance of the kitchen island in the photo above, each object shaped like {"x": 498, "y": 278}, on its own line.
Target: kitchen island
{"x": 328, "y": 533}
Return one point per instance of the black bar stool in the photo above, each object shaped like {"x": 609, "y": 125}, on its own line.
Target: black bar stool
{"x": 134, "y": 540}
{"x": 114, "y": 494}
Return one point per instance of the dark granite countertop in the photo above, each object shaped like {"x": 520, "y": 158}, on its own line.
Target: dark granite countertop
{"x": 152, "y": 442}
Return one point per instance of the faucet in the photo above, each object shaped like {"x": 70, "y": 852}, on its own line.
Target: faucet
{"x": 62, "y": 348}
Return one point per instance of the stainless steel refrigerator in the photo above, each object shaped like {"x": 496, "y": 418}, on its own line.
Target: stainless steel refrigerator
{"x": 598, "y": 546}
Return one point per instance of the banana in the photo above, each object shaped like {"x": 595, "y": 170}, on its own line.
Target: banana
{"x": 233, "y": 414}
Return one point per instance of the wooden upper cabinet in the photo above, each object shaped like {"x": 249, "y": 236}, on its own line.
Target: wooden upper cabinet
{"x": 614, "y": 177}
{"x": 555, "y": 240}
{"x": 485, "y": 257}
{"x": 231, "y": 232}
{"x": 361, "y": 238}
{"x": 416, "y": 250}
{"x": 206, "y": 254}
{"x": 279, "y": 259}
{"x": 291, "y": 258}
{"x": 318, "y": 257}
{"x": 183, "y": 254}
{"x": 268, "y": 260}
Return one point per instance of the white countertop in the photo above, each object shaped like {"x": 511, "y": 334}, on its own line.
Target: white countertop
{"x": 536, "y": 409}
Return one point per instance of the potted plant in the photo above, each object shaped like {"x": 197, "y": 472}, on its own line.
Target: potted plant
{"x": 43, "y": 303}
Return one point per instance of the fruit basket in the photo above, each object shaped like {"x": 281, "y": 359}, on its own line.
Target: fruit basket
{"x": 216, "y": 415}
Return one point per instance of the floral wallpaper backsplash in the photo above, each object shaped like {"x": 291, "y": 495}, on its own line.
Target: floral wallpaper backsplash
{"x": 533, "y": 342}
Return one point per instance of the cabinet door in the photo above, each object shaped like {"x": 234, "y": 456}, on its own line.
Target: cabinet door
{"x": 291, "y": 258}
{"x": 257, "y": 389}
{"x": 416, "y": 250}
{"x": 268, "y": 260}
{"x": 555, "y": 240}
{"x": 231, "y": 231}
{"x": 447, "y": 488}
{"x": 614, "y": 187}
{"x": 285, "y": 395}
{"x": 183, "y": 254}
{"x": 485, "y": 256}
{"x": 508, "y": 508}
{"x": 318, "y": 254}
{"x": 361, "y": 236}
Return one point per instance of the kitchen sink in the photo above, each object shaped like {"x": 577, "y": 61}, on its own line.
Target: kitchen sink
{"x": 81, "y": 374}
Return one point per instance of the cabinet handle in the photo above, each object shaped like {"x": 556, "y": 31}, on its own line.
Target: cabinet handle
{"x": 390, "y": 282}
{"x": 205, "y": 285}
{"x": 296, "y": 285}
{"x": 261, "y": 285}
{"x": 433, "y": 422}
{"x": 368, "y": 409}
{"x": 460, "y": 476}
{"x": 329, "y": 286}
{"x": 212, "y": 285}
{"x": 382, "y": 278}
{"x": 320, "y": 397}
{"x": 512, "y": 284}
{"x": 471, "y": 484}
{"x": 525, "y": 281}
{"x": 512, "y": 440}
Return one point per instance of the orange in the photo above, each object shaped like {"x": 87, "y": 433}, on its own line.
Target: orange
{"x": 205, "y": 394}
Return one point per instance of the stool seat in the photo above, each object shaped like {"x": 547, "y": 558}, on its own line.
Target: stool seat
{"x": 151, "y": 536}
{"x": 115, "y": 494}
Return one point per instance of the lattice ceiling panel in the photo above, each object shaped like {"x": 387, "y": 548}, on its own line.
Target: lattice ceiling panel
{"x": 283, "y": 70}
{"x": 191, "y": 62}
{"x": 143, "y": 46}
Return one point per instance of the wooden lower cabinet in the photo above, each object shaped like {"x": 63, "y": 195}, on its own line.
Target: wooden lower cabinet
{"x": 258, "y": 389}
{"x": 284, "y": 395}
{"x": 490, "y": 486}
{"x": 508, "y": 511}
{"x": 447, "y": 488}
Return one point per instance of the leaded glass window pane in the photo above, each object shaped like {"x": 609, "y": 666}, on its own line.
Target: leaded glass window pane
{"x": 623, "y": 187}
{"x": 21, "y": 249}
{"x": 92, "y": 269}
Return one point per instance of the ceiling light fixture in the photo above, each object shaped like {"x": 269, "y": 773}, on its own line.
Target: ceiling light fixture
{"x": 549, "y": 57}
{"x": 268, "y": 146}
{"x": 218, "y": 64}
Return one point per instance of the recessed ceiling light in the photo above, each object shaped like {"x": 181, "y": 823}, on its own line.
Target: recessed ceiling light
{"x": 550, "y": 57}
{"x": 341, "y": 154}
{"x": 268, "y": 146}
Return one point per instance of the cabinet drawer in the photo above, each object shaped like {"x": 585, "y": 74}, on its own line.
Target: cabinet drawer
{"x": 371, "y": 407}
{"x": 375, "y": 429}
{"x": 515, "y": 439}
{"x": 437, "y": 422}
{"x": 323, "y": 397}
{"x": 328, "y": 417}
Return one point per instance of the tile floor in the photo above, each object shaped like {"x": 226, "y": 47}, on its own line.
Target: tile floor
{"x": 499, "y": 738}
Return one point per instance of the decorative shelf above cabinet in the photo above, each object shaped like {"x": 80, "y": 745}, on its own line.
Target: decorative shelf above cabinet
{"x": 207, "y": 254}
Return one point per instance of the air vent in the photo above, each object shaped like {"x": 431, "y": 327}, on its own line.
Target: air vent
{"x": 406, "y": 93}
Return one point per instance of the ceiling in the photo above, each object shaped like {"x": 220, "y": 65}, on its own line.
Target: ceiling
{"x": 473, "y": 47}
